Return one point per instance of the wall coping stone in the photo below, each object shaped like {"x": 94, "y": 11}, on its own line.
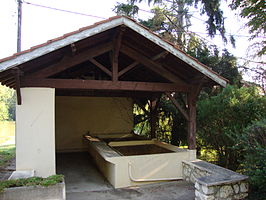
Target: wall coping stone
{"x": 219, "y": 175}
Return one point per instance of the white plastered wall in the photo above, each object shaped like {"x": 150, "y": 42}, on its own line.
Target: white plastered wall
{"x": 35, "y": 131}
{"x": 76, "y": 116}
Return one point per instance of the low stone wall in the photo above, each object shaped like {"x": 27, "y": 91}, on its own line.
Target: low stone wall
{"x": 213, "y": 182}
{"x": 53, "y": 192}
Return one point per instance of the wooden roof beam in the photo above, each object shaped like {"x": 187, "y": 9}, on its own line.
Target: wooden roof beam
{"x": 178, "y": 106}
{"x": 68, "y": 62}
{"x": 100, "y": 66}
{"x": 103, "y": 85}
{"x": 134, "y": 64}
{"x": 157, "y": 68}
{"x": 116, "y": 49}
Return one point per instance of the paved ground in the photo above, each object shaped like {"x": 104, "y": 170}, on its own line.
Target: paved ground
{"x": 160, "y": 191}
{"x": 85, "y": 182}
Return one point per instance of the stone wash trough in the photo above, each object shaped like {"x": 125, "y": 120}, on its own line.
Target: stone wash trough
{"x": 128, "y": 160}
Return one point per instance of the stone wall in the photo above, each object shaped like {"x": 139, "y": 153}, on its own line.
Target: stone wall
{"x": 213, "y": 182}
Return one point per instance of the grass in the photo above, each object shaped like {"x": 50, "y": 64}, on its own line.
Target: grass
{"x": 6, "y": 154}
{"x": 33, "y": 181}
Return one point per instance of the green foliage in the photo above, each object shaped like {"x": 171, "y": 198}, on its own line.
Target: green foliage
{"x": 3, "y": 112}
{"x": 7, "y": 104}
{"x": 255, "y": 12}
{"x": 34, "y": 181}
{"x": 177, "y": 17}
{"x": 6, "y": 154}
{"x": 129, "y": 9}
{"x": 252, "y": 143}
{"x": 215, "y": 20}
{"x": 223, "y": 117}
{"x": 223, "y": 63}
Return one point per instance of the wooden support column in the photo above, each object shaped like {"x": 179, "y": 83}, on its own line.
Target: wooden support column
{"x": 191, "y": 100}
{"x": 153, "y": 117}
{"x": 192, "y": 97}
{"x": 17, "y": 73}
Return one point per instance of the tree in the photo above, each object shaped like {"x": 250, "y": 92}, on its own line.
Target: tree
{"x": 129, "y": 9}
{"x": 3, "y": 112}
{"x": 224, "y": 63}
{"x": 224, "y": 117}
{"x": 177, "y": 14}
{"x": 252, "y": 145}
{"x": 7, "y": 103}
{"x": 255, "y": 12}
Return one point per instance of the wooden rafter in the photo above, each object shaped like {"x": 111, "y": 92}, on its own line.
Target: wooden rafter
{"x": 68, "y": 62}
{"x": 5, "y": 74}
{"x": 102, "y": 85}
{"x": 134, "y": 64}
{"x": 178, "y": 106}
{"x": 157, "y": 68}
{"x": 99, "y": 65}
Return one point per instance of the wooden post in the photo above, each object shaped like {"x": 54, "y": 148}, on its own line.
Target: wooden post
{"x": 191, "y": 100}
{"x": 17, "y": 74}
{"x": 117, "y": 44}
{"x": 153, "y": 117}
{"x": 192, "y": 97}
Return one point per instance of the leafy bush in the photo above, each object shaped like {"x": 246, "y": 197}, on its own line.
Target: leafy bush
{"x": 34, "y": 181}
{"x": 224, "y": 117}
{"x": 253, "y": 145}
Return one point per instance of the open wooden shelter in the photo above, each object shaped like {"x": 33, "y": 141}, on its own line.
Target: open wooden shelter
{"x": 116, "y": 57}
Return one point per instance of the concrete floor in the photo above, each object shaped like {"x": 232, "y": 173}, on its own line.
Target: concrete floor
{"x": 85, "y": 182}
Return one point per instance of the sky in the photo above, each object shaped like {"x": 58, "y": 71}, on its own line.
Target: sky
{"x": 41, "y": 24}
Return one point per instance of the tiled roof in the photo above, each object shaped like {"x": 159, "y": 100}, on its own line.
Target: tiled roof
{"x": 95, "y": 25}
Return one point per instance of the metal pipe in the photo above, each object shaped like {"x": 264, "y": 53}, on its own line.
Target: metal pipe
{"x": 147, "y": 180}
